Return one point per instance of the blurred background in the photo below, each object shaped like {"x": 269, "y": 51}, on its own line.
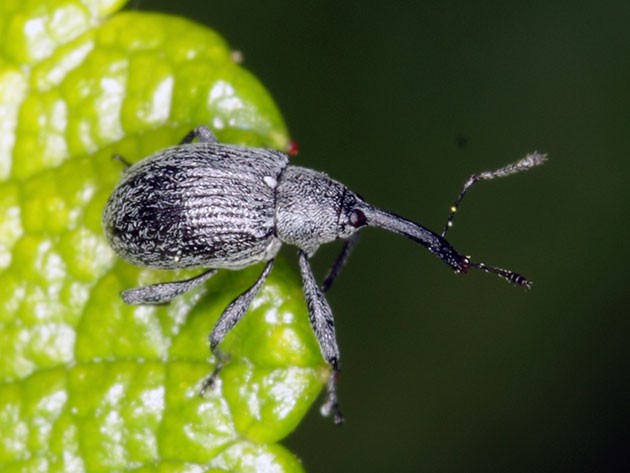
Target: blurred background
{"x": 402, "y": 101}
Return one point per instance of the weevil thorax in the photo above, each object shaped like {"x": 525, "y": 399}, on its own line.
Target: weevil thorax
{"x": 313, "y": 209}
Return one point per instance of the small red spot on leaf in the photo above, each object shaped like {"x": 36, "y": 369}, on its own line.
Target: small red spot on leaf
{"x": 293, "y": 149}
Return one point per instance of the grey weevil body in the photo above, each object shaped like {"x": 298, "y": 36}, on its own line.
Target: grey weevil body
{"x": 215, "y": 206}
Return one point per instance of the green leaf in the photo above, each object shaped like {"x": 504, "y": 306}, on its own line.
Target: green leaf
{"x": 89, "y": 383}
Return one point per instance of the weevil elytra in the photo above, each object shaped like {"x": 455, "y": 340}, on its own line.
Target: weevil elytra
{"x": 209, "y": 205}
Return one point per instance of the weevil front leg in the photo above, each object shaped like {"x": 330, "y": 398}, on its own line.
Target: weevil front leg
{"x": 321, "y": 319}
{"x": 228, "y": 319}
{"x": 202, "y": 133}
{"x": 162, "y": 293}
{"x": 336, "y": 267}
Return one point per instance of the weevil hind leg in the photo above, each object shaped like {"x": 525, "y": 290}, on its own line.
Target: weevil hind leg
{"x": 162, "y": 293}
{"x": 321, "y": 319}
{"x": 228, "y": 319}
{"x": 203, "y": 135}
{"x": 121, "y": 159}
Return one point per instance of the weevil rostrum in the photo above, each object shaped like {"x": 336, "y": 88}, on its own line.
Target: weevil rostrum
{"x": 203, "y": 204}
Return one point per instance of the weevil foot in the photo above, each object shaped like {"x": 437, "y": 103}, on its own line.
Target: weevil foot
{"x": 331, "y": 405}
{"x": 210, "y": 382}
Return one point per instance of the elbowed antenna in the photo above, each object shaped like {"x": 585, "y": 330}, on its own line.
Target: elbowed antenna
{"x": 436, "y": 244}
{"x": 531, "y": 160}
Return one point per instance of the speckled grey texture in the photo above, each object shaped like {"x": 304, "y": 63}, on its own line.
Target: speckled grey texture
{"x": 216, "y": 206}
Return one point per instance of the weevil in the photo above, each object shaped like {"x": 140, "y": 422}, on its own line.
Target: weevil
{"x": 204, "y": 204}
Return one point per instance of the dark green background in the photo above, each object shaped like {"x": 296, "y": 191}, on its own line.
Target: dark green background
{"x": 464, "y": 374}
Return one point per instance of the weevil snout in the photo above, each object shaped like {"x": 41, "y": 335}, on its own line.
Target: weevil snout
{"x": 436, "y": 244}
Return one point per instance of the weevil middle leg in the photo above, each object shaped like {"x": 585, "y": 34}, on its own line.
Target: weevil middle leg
{"x": 202, "y": 133}
{"x": 228, "y": 319}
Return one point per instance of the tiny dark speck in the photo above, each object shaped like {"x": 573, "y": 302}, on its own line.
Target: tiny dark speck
{"x": 461, "y": 141}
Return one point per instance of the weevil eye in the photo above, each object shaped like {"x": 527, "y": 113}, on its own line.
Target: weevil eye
{"x": 356, "y": 218}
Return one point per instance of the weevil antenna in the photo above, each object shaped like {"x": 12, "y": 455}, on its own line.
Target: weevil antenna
{"x": 531, "y": 160}
{"x": 436, "y": 244}
{"x": 510, "y": 276}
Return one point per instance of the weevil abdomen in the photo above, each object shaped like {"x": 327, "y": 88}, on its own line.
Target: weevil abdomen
{"x": 197, "y": 205}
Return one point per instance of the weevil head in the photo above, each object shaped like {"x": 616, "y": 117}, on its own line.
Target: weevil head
{"x": 351, "y": 214}
{"x": 313, "y": 209}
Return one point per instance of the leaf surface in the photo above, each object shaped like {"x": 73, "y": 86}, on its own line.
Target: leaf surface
{"x": 89, "y": 384}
